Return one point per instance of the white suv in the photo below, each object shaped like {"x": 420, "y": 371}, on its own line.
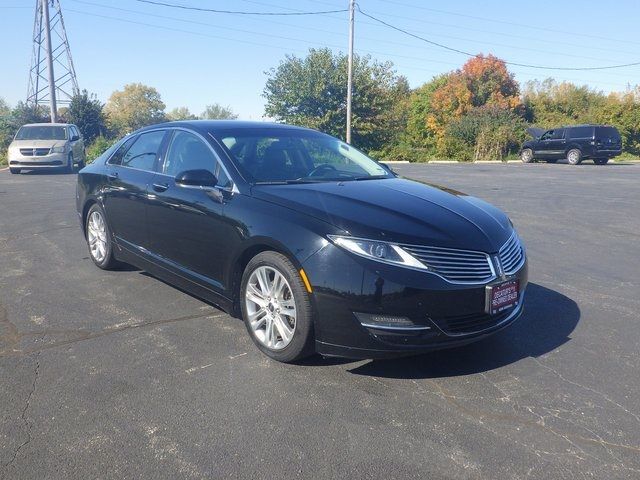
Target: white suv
{"x": 46, "y": 145}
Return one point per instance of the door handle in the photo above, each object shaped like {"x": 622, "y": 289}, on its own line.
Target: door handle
{"x": 160, "y": 187}
{"x": 112, "y": 175}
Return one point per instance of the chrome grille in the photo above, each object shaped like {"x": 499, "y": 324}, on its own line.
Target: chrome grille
{"x": 511, "y": 255}
{"x": 37, "y": 152}
{"x": 458, "y": 266}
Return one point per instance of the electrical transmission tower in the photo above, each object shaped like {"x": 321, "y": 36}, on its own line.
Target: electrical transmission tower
{"x": 52, "y": 78}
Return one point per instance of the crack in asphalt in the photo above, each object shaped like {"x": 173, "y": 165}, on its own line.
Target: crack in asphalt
{"x": 23, "y": 416}
{"x": 13, "y": 335}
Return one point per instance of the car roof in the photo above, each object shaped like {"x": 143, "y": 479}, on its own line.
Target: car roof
{"x": 220, "y": 125}
{"x": 47, "y": 124}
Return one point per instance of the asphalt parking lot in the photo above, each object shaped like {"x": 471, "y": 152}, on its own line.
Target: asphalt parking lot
{"x": 119, "y": 375}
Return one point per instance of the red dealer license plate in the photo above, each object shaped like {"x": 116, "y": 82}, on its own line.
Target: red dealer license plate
{"x": 503, "y": 296}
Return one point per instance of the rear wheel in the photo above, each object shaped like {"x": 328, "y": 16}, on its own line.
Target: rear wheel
{"x": 574, "y": 156}
{"x": 99, "y": 238}
{"x": 526, "y": 155}
{"x": 600, "y": 161}
{"x": 276, "y": 308}
{"x": 15, "y": 170}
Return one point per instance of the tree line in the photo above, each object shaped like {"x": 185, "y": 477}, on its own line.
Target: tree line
{"x": 477, "y": 112}
{"x": 126, "y": 110}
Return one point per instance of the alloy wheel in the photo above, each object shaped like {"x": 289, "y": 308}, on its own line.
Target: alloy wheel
{"x": 97, "y": 236}
{"x": 271, "y": 307}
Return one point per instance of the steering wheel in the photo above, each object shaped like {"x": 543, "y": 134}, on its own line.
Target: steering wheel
{"x": 320, "y": 168}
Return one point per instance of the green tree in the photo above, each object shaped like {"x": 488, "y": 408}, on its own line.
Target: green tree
{"x": 135, "y": 106}
{"x": 85, "y": 111}
{"x": 216, "y": 111}
{"x": 181, "y": 113}
{"x": 312, "y": 92}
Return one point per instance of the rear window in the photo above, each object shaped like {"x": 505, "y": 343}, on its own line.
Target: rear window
{"x": 607, "y": 132}
{"x": 581, "y": 132}
{"x": 42, "y": 132}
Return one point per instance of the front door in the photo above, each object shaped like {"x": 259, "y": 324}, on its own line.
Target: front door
{"x": 187, "y": 227}
{"x": 129, "y": 173}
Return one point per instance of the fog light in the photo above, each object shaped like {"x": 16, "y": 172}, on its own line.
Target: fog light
{"x": 388, "y": 322}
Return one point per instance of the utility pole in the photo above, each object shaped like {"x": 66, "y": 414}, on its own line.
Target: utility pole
{"x": 352, "y": 4}
{"x": 52, "y": 79}
{"x": 50, "y": 48}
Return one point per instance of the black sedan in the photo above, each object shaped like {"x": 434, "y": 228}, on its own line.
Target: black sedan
{"x": 316, "y": 246}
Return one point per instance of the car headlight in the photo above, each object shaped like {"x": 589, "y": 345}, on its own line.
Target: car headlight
{"x": 58, "y": 149}
{"x": 379, "y": 251}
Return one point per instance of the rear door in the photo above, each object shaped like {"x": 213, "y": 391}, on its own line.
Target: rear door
{"x": 129, "y": 173}
{"x": 607, "y": 139}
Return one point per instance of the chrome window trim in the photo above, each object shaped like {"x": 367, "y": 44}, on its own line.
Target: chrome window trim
{"x": 232, "y": 189}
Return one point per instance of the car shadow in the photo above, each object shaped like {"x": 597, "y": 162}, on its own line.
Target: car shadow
{"x": 546, "y": 324}
{"x": 48, "y": 172}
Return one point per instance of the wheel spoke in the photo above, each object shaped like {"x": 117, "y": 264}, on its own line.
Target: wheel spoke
{"x": 258, "y": 318}
{"x": 255, "y": 296}
{"x": 268, "y": 333}
{"x": 263, "y": 281}
{"x": 285, "y": 331}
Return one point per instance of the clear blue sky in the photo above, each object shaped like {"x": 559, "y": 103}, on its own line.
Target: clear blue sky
{"x": 197, "y": 58}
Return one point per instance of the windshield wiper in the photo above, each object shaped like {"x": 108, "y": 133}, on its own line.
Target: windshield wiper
{"x": 371, "y": 177}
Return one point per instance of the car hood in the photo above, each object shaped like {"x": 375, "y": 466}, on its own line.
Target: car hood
{"x": 397, "y": 210}
{"x": 37, "y": 143}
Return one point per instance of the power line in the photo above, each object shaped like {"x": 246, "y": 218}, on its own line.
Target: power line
{"x": 468, "y": 54}
{"x": 285, "y": 48}
{"x": 239, "y": 12}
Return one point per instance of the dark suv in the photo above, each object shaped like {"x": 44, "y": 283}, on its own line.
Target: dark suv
{"x": 576, "y": 143}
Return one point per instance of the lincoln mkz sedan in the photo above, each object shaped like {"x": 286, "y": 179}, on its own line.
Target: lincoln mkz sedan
{"x": 317, "y": 247}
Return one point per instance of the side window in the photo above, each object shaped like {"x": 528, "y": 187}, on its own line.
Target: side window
{"x": 74, "y": 132}
{"x": 546, "y": 135}
{"x": 580, "y": 132}
{"x": 558, "y": 134}
{"x": 116, "y": 158}
{"x": 143, "y": 152}
{"x": 188, "y": 152}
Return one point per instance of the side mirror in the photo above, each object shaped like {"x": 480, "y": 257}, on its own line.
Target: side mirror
{"x": 387, "y": 167}
{"x": 196, "y": 178}
{"x": 75, "y": 138}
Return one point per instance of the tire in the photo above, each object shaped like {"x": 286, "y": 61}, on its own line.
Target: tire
{"x": 14, "y": 171}
{"x": 600, "y": 161}
{"x": 574, "y": 156}
{"x": 291, "y": 337}
{"x": 526, "y": 155}
{"x": 69, "y": 167}
{"x": 97, "y": 230}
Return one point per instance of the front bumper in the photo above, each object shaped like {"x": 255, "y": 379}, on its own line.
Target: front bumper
{"x": 443, "y": 314}
{"x": 51, "y": 160}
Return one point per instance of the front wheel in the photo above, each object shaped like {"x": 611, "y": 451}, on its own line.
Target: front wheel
{"x": 526, "y": 155}
{"x": 276, "y": 308}
{"x": 600, "y": 161}
{"x": 574, "y": 156}
{"x": 99, "y": 238}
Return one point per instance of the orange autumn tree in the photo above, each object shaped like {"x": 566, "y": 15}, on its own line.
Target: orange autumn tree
{"x": 483, "y": 81}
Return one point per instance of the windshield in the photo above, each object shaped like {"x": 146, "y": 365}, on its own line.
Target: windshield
{"x": 42, "y": 132}
{"x": 278, "y": 155}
